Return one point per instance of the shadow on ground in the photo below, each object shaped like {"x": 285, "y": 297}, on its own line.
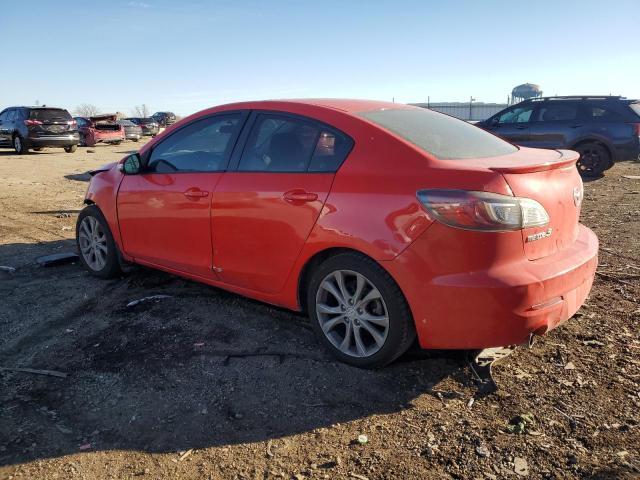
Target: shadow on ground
{"x": 200, "y": 368}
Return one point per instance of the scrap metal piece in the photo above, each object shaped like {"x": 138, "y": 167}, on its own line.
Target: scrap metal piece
{"x": 481, "y": 364}
{"x": 57, "y": 259}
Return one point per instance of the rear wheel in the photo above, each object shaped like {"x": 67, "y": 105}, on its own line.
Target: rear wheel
{"x": 98, "y": 251}
{"x": 71, "y": 148}
{"x": 19, "y": 146}
{"x": 358, "y": 311}
{"x": 594, "y": 159}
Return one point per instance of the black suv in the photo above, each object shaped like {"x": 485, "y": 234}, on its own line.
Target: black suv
{"x": 37, "y": 127}
{"x": 602, "y": 129}
{"x": 164, "y": 119}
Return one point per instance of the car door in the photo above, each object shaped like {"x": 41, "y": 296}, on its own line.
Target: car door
{"x": 264, "y": 208}
{"x": 512, "y": 124}
{"x": 554, "y": 124}
{"x": 164, "y": 212}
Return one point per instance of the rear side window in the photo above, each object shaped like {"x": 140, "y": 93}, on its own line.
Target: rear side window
{"x": 49, "y": 114}
{"x": 636, "y": 108}
{"x": 558, "y": 112}
{"x": 444, "y": 137}
{"x": 202, "y": 146}
{"x": 286, "y": 144}
{"x": 599, "y": 114}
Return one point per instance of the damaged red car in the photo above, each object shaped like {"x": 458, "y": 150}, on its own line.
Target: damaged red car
{"x": 100, "y": 129}
{"x": 382, "y": 222}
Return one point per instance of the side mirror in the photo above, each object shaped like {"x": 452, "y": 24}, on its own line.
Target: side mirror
{"x": 131, "y": 165}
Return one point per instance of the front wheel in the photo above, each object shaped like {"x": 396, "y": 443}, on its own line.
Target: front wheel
{"x": 98, "y": 251}
{"x": 71, "y": 148}
{"x": 19, "y": 146}
{"x": 594, "y": 159}
{"x": 359, "y": 312}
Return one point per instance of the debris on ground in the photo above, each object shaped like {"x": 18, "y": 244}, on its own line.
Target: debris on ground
{"x": 57, "y": 259}
{"x": 147, "y": 299}
{"x": 51, "y": 373}
{"x": 7, "y": 269}
{"x": 362, "y": 439}
{"x": 521, "y": 423}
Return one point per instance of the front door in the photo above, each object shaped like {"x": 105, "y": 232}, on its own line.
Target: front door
{"x": 164, "y": 212}
{"x": 263, "y": 212}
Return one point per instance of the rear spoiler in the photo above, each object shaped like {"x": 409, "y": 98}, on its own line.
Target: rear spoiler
{"x": 567, "y": 158}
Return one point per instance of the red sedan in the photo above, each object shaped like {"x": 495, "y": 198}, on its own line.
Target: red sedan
{"x": 382, "y": 221}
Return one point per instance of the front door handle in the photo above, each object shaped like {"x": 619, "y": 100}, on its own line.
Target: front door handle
{"x": 299, "y": 196}
{"x": 196, "y": 193}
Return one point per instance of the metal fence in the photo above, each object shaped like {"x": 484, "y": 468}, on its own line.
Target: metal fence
{"x": 465, "y": 111}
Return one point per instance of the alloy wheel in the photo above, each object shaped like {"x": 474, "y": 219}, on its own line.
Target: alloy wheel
{"x": 93, "y": 243}
{"x": 17, "y": 144}
{"x": 352, "y": 313}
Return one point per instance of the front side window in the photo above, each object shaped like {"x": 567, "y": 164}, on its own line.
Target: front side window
{"x": 202, "y": 146}
{"x": 445, "y": 137}
{"x": 558, "y": 113}
{"x": 516, "y": 115}
{"x": 11, "y": 115}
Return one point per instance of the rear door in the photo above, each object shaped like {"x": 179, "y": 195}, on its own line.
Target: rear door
{"x": 555, "y": 124}
{"x": 513, "y": 124}
{"x": 164, "y": 212}
{"x": 4, "y": 127}
{"x": 264, "y": 209}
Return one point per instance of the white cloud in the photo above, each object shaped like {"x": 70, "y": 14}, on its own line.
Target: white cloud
{"x": 134, "y": 3}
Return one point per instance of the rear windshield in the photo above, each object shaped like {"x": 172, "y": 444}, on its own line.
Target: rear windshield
{"x": 444, "y": 137}
{"x": 49, "y": 114}
{"x": 636, "y": 108}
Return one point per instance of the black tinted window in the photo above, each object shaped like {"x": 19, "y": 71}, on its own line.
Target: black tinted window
{"x": 49, "y": 114}
{"x": 636, "y": 108}
{"x": 557, "y": 112}
{"x": 444, "y": 137}
{"x": 279, "y": 144}
{"x": 600, "y": 114}
{"x": 203, "y": 146}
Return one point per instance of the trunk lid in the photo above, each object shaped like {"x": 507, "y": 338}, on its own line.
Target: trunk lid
{"x": 551, "y": 178}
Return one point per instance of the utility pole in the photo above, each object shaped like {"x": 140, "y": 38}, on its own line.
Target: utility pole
{"x": 471, "y": 100}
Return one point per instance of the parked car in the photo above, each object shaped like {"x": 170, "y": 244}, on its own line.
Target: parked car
{"x": 164, "y": 119}
{"x": 131, "y": 130}
{"x": 149, "y": 125}
{"x": 602, "y": 129}
{"x": 379, "y": 220}
{"x": 37, "y": 127}
{"x": 100, "y": 129}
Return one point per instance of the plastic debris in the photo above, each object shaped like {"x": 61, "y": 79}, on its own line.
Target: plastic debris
{"x": 363, "y": 439}
{"x": 146, "y": 299}
{"x": 57, "y": 259}
{"x": 7, "y": 269}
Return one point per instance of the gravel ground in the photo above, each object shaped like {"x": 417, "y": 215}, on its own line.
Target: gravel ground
{"x": 207, "y": 384}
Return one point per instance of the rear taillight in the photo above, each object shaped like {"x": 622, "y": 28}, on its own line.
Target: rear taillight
{"x": 72, "y": 124}
{"x": 490, "y": 212}
{"x": 32, "y": 123}
{"x": 636, "y": 129}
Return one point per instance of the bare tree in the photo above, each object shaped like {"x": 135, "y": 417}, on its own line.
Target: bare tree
{"x": 142, "y": 111}
{"x": 86, "y": 110}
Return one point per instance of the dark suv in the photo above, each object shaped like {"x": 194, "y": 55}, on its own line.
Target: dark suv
{"x": 37, "y": 127}
{"x": 602, "y": 129}
{"x": 164, "y": 119}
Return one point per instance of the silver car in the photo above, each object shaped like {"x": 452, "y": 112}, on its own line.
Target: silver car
{"x": 131, "y": 130}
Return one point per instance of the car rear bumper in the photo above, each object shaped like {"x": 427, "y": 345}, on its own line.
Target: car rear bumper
{"x": 133, "y": 136}
{"x": 54, "y": 141}
{"x": 500, "y": 306}
{"x": 106, "y": 137}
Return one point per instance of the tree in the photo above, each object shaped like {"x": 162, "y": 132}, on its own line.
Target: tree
{"x": 87, "y": 110}
{"x": 141, "y": 111}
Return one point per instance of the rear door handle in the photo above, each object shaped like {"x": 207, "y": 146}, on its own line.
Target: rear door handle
{"x": 196, "y": 193}
{"x": 299, "y": 196}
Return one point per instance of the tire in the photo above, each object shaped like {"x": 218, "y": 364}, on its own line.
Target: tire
{"x": 81, "y": 141}
{"x": 71, "y": 148}
{"x": 379, "y": 344}
{"x": 92, "y": 229}
{"x": 19, "y": 146}
{"x": 594, "y": 159}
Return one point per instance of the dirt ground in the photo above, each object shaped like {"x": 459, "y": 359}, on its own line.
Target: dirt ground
{"x": 207, "y": 384}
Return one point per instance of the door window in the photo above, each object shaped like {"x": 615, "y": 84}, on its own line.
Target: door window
{"x": 599, "y": 114}
{"x": 202, "y": 146}
{"x": 11, "y": 115}
{"x": 516, "y": 115}
{"x": 558, "y": 113}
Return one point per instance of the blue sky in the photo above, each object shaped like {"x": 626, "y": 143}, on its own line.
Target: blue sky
{"x": 188, "y": 55}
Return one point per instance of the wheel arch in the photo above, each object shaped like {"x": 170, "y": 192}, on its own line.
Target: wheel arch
{"x": 600, "y": 141}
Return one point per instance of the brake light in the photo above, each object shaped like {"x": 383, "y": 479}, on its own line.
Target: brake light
{"x": 72, "y": 123}
{"x": 489, "y": 212}
{"x": 31, "y": 123}
{"x": 636, "y": 129}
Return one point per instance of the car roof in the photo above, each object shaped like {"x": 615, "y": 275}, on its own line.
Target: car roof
{"x": 342, "y": 104}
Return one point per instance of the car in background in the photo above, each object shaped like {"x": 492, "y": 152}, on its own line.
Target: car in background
{"x": 164, "y": 119}
{"x": 602, "y": 129}
{"x": 381, "y": 221}
{"x": 100, "y": 129}
{"x": 149, "y": 125}
{"x": 37, "y": 127}
{"x": 131, "y": 130}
